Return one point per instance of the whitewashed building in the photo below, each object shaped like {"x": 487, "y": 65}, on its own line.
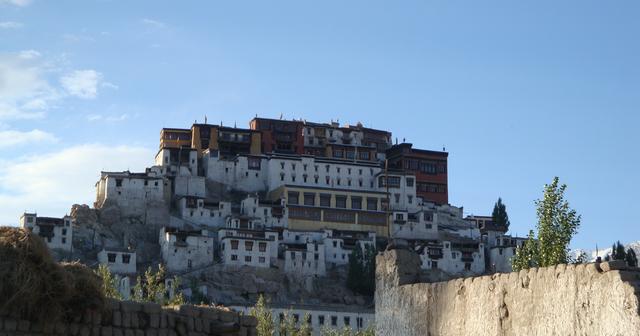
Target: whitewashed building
{"x": 57, "y": 233}
{"x": 340, "y": 244}
{"x": 118, "y": 260}
{"x": 501, "y": 251}
{"x": 186, "y": 249}
{"x": 452, "y": 254}
{"x": 247, "y": 247}
{"x": 130, "y": 191}
{"x": 304, "y": 259}
{"x": 177, "y": 161}
{"x": 198, "y": 210}
{"x": 322, "y": 317}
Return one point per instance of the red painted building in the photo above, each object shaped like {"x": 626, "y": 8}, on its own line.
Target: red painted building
{"x": 280, "y": 136}
{"x": 429, "y": 167}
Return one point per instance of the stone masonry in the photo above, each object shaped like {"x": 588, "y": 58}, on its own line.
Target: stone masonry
{"x": 125, "y": 318}
{"x": 586, "y": 299}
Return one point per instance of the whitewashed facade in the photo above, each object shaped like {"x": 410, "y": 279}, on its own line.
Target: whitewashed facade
{"x": 197, "y": 210}
{"x": 57, "y": 233}
{"x": 119, "y": 261}
{"x": 184, "y": 249}
{"x": 322, "y": 317}
{"x": 130, "y": 191}
{"x": 306, "y": 259}
{"x": 246, "y": 247}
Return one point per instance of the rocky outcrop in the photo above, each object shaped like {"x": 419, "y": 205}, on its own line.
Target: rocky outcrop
{"x": 586, "y": 299}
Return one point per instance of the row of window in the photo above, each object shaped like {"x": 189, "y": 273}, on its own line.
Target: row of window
{"x": 321, "y": 320}
{"x": 431, "y": 187}
{"x": 428, "y": 167}
{"x": 327, "y": 180}
{"x": 248, "y": 245}
{"x": 326, "y": 167}
{"x": 126, "y": 258}
{"x": 261, "y": 260}
{"x": 146, "y": 182}
{"x": 309, "y": 199}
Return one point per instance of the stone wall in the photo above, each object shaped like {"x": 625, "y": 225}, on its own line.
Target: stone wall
{"x": 125, "y": 318}
{"x": 587, "y": 299}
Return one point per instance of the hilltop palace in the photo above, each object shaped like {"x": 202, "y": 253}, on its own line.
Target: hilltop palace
{"x": 293, "y": 195}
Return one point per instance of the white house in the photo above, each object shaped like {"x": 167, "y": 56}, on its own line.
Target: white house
{"x": 131, "y": 191}
{"x": 340, "y": 244}
{"x": 453, "y": 254}
{"x": 198, "y": 210}
{"x": 177, "y": 161}
{"x": 246, "y": 247}
{"x": 304, "y": 259}
{"x": 501, "y": 251}
{"x": 322, "y": 317}
{"x": 56, "y": 232}
{"x": 119, "y": 261}
{"x": 186, "y": 249}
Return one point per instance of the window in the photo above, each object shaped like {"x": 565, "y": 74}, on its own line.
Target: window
{"x": 467, "y": 266}
{"x": 315, "y": 179}
{"x": 281, "y": 165}
{"x": 409, "y": 182}
{"x": 281, "y": 176}
{"x": 428, "y": 226}
{"x": 293, "y": 166}
{"x": 248, "y": 246}
{"x": 327, "y": 168}
{"x": 359, "y": 322}
{"x": 372, "y": 204}
{"x": 335, "y": 244}
{"x": 334, "y": 321}
{"x": 349, "y": 171}
{"x": 410, "y": 199}
{"x": 234, "y": 244}
{"x": 64, "y": 240}
{"x": 262, "y": 247}
{"x": 111, "y": 257}
{"x": 261, "y": 260}
{"x": 247, "y": 258}
{"x": 310, "y": 199}
{"x": 453, "y": 255}
{"x": 394, "y": 181}
{"x": 338, "y": 153}
{"x": 338, "y": 169}
{"x": 399, "y": 217}
{"x": 396, "y": 197}
{"x": 64, "y": 232}
{"x": 304, "y": 167}
{"x": 292, "y": 198}
{"x": 351, "y": 155}
{"x": 126, "y": 258}
{"x": 341, "y": 202}
{"x": 427, "y": 216}
{"x": 356, "y": 202}
{"x": 364, "y": 155}
{"x": 293, "y": 178}
{"x": 234, "y": 257}
{"x": 315, "y": 167}
{"x": 118, "y": 182}
{"x": 338, "y": 181}
{"x": 347, "y": 320}
{"x": 146, "y": 183}
{"x": 321, "y": 319}
{"x": 434, "y": 264}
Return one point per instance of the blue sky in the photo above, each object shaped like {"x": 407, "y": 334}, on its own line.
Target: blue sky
{"x": 517, "y": 91}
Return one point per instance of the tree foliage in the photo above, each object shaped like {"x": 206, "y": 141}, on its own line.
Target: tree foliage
{"x": 500, "y": 216}
{"x": 263, "y": 314}
{"x": 109, "y": 283}
{"x": 618, "y": 252}
{"x": 362, "y": 271}
{"x": 151, "y": 288}
{"x": 631, "y": 258}
{"x": 557, "y": 224}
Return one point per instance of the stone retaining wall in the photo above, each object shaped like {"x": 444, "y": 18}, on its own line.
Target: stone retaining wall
{"x": 587, "y": 299}
{"x": 126, "y": 318}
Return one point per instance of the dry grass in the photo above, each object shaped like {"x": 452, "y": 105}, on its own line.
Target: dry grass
{"x": 33, "y": 286}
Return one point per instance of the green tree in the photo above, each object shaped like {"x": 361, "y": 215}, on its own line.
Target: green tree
{"x": 361, "y": 277}
{"x": 151, "y": 288}
{"x": 500, "y": 216}
{"x": 618, "y": 252}
{"x": 109, "y": 283}
{"x": 263, "y": 314}
{"x": 631, "y": 259}
{"x": 557, "y": 224}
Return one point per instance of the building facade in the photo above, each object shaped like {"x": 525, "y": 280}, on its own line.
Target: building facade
{"x": 118, "y": 260}
{"x": 186, "y": 249}
{"x": 57, "y": 233}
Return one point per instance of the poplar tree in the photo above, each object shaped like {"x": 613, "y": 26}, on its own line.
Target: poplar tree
{"x": 557, "y": 224}
{"x": 500, "y": 217}
{"x": 631, "y": 258}
{"x": 262, "y": 313}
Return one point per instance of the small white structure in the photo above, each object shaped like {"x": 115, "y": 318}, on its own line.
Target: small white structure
{"x": 502, "y": 251}
{"x": 130, "y": 191}
{"x": 304, "y": 259}
{"x": 186, "y": 249}
{"x": 340, "y": 244}
{"x": 322, "y": 317}
{"x": 453, "y": 255}
{"x": 56, "y": 232}
{"x": 177, "y": 161}
{"x": 245, "y": 247}
{"x": 118, "y": 260}
{"x": 198, "y": 210}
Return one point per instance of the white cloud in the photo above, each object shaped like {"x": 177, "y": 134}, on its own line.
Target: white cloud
{"x": 116, "y": 118}
{"x": 153, "y": 23}
{"x": 10, "y": 25}
{"x": 82, "y": 83}
{"x": 25, "y": 92}
{"x": 51, "y": 183}
{"x": 20, "y": 3}
{"x": 10, "y": 138}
